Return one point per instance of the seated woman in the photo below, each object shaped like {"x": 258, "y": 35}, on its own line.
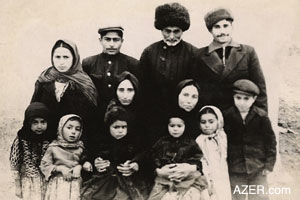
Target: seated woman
{"x": 116, "y": 165}
{"x": 65, "y": 89}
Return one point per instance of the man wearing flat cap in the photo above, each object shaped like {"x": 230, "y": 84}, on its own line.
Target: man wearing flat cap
{"x": 224, "y": 61}
{"x": 167, "y": 62}
{"x": 103, "y": 68}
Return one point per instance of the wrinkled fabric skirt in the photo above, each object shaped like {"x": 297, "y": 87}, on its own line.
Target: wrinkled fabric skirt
{"x": 59, "y": 189}
{"x": 33, "y": 188}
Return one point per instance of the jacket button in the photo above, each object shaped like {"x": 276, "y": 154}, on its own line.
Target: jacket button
{"x": 109, "y": 85}
{"x": 109, "y": 62}
{"x": 164, "y": 47}
{"x": 108, "y": 74}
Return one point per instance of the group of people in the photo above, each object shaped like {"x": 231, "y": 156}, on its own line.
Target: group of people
{"x": 180, "y": 123}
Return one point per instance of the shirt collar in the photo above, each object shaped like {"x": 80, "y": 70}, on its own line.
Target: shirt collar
{"x": 214, "y": 45}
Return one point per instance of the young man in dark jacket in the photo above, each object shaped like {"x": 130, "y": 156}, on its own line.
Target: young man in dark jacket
{"x": 251, "y": 143}
{"x": 224, "y": 61}
{"x": 104, "y": 68}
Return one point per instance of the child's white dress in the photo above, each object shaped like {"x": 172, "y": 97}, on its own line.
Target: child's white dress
{"x": 214, "y": 161}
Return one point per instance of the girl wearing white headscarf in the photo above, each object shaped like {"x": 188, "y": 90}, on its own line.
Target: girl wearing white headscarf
{"x": 61, "y": 163}
{"x": 213, "y": 143}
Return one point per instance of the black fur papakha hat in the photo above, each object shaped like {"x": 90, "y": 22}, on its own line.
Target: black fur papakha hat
{"x": 172, "y": 14}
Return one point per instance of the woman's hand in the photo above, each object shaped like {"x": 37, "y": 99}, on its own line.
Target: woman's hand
{"x": 87, "y": 166}
{"x": 128, "y": 168}
{"x": 66, "y": 172}
{"x": 77, "y": 171}
{"x": 101, "y": 164}
{"x": 181, "y": 171}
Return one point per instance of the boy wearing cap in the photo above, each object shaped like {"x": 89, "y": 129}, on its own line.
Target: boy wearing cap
{"x": 103, "y": 68}
{"x": 251, "y": 143}
{"x": 167, "y": 62}
{"x": 224, "y": 61}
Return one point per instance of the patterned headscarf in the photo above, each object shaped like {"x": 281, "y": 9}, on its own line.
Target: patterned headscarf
{"x": 75, "y": 75}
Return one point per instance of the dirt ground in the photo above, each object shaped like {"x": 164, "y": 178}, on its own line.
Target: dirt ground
{"x": 287, "y": 170}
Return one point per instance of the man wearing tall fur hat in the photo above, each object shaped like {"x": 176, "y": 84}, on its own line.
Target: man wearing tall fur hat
{"x": 167, "y": 62}
{"x": 223, "y": 61}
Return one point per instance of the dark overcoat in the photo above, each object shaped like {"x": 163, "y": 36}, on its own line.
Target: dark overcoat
{"x": 216, "y": 82}
{"x": 162, "y": 68}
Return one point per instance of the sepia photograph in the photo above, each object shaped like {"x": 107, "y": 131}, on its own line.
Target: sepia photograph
{"x": 158, "y": 100}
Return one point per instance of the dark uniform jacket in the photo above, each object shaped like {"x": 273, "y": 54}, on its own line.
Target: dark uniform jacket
{"x": 104, "y": 68}
{"x": 251, "y": 143}
{"x": 216, "y": 81}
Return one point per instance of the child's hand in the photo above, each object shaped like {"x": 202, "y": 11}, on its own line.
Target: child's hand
{"x": 77, "y": 171}
{"x": 66, "y": 172}
{"x": 18, "y": 189}
{"x": 101, "y": 164}
{"x": 127, "y": 169}
{"x": 87, "y": 166}
{"x": 265, "y": 172}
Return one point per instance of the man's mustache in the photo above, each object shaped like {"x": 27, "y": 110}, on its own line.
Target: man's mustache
{"x": 222, "y": 35}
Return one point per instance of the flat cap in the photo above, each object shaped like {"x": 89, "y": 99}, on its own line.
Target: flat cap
{"x": 216, "y": 15}
{"x": 244, "y": 86}
{"x": 110, "y": 28}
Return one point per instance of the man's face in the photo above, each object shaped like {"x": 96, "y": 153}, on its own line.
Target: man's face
{"x": 172, "y": 35}
{"x": 222, "y": 31}
{"x": 111, "y": 43}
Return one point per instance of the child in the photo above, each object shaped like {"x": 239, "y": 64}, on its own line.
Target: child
{"x": 27, "y": 151}
{"x": 61, "y": 162}
{"x": 251, "y": 142}
{"x": 213, "y": 143}
{"x": 116, "y": 171}
{"x": 176, "y": 158}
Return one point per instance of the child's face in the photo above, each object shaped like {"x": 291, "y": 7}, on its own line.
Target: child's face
{"x": 118, "y": 129}
{"x": 208, "y": 123}
{"x": 125, "y": 92}
{"x": 71, "y": 131}
{"x": 39, "y": 125}
{"x": 188, "y": 98}
{"x": 176, "y": 127}
{"x": 243, "y": 102}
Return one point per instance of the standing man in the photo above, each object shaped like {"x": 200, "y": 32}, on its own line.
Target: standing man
{"x": 224, "y": 61}
{"x": 104, "y": 68}
{"x": 165, "y": 63}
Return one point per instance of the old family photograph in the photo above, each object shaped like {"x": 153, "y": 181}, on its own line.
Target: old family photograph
{"x": 158, "y": 100}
